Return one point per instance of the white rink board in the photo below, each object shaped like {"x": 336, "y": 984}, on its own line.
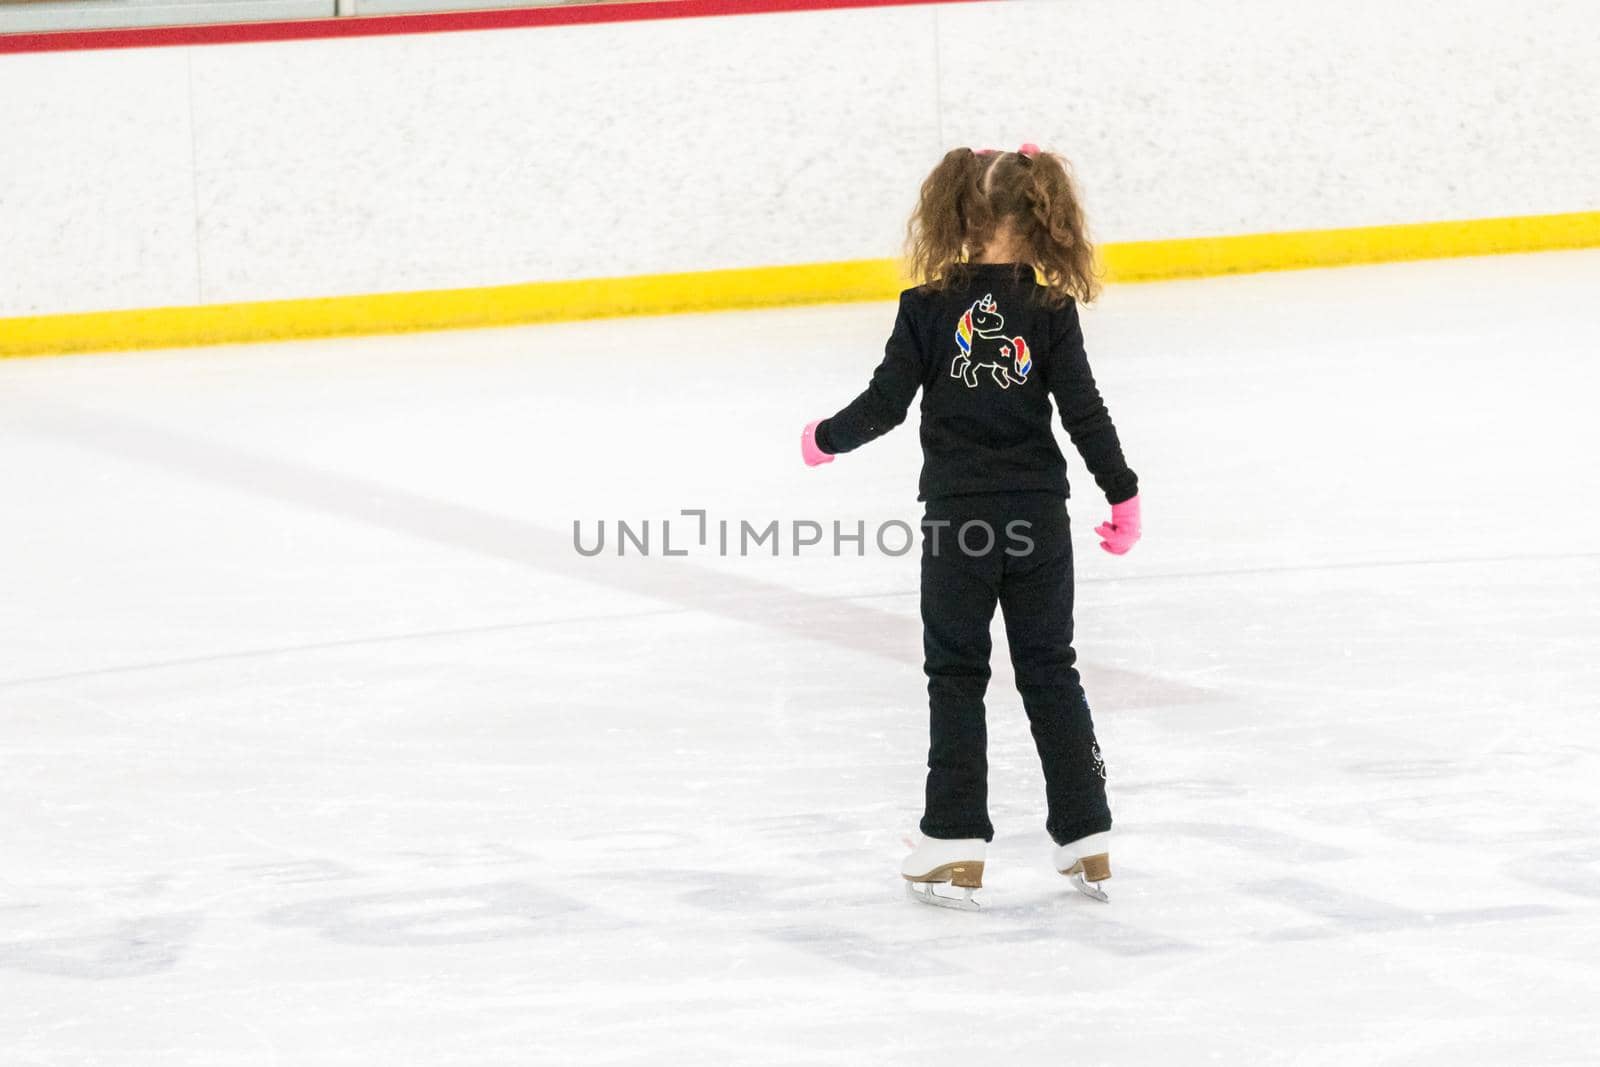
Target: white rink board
{"x": 1247, "y": 116}
{"x": 322, "y": 168}
{"x": 322, "y": 745}
{"x": 98, "y": 209}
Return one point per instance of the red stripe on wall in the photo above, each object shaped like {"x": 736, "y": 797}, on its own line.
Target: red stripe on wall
{"x": 431, "y": 22}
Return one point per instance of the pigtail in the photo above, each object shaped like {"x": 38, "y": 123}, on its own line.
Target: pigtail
{"x": 953, "y": 216}
{"x": 1057, "y": 232}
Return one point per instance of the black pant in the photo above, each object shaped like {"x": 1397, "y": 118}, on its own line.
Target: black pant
{"x": 975, "y": 552}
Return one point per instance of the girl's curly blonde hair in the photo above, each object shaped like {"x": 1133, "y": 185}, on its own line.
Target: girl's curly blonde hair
{"x": 971, "y": 197}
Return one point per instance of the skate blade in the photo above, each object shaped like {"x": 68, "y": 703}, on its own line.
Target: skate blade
{"x": 1089, "y": 889}
{"x": 1087, "y": 874}
{"x": 926, "y": 895}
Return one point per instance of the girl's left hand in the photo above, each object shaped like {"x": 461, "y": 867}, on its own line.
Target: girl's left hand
{"x": 809, "y": 450}
{"x": 1121, "y": 533}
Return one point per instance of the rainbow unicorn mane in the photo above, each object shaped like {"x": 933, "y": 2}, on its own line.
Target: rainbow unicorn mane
{"x": 964, "y": 333}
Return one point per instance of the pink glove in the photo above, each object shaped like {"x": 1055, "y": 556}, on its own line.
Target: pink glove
{"x": 814, "y": 456}
{"x": 1123, "y": 530}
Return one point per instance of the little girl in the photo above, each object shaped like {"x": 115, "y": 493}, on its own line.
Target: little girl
{"x": 989, "y": 345}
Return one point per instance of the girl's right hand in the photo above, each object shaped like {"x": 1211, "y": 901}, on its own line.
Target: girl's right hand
{"x": 1120, "y": 534}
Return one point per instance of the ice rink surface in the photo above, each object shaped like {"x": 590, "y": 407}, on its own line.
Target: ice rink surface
{"x": 322, "y": 744}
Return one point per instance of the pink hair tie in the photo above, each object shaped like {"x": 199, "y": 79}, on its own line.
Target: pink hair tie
{"x": 1030, "y": 150}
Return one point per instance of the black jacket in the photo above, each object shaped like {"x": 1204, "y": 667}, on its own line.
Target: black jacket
{"x": 987, "y": 356}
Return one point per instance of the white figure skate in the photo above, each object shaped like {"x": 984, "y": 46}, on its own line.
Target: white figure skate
{"x": 934, "y": 861}
{"x": 1087, "y": 861}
